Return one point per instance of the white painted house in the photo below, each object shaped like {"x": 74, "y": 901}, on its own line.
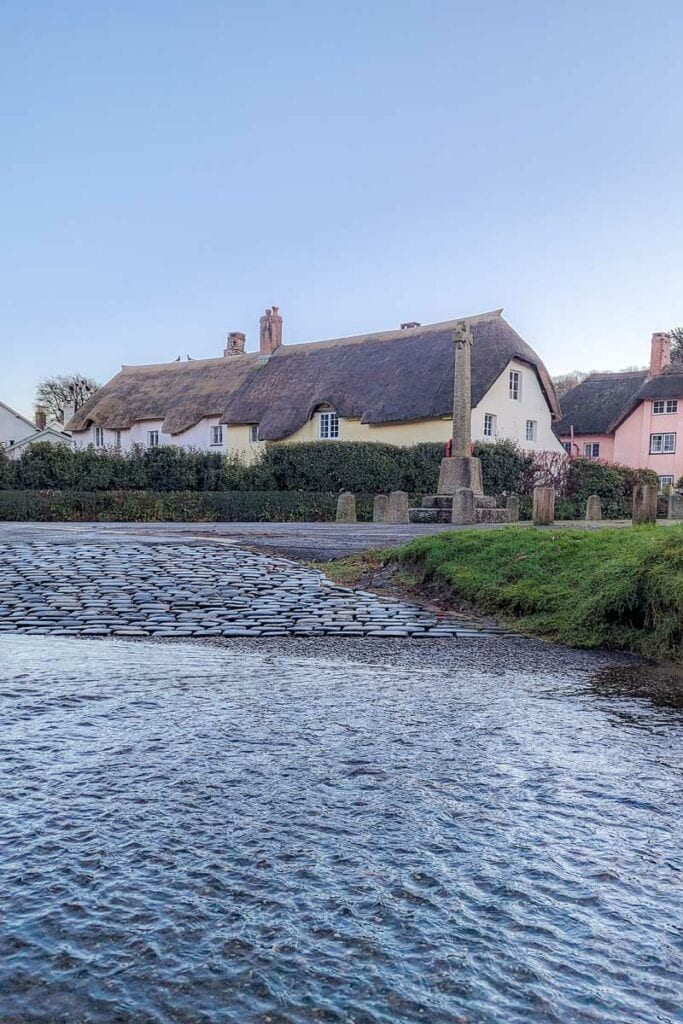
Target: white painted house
{"x": 393, "y": 386}
{"x": 13, "y": 426}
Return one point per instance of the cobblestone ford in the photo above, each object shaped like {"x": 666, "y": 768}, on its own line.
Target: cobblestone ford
{"x": 190, "y": 590}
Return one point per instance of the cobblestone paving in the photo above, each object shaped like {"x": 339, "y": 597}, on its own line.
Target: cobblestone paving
{"x": 190, "y": 590}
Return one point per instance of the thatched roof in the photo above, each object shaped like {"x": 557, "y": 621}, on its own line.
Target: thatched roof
{"x": 180, "y": 394}
{"x": 592, "y": 406}
{"x": 390, "y": 377}
{"x": 603, "y": 400}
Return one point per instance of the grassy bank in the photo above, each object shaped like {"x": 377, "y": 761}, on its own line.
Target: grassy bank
{"x": 621, "y": 589}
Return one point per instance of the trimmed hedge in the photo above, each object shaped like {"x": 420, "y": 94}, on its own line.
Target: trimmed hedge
{"x": 173, "y": 507}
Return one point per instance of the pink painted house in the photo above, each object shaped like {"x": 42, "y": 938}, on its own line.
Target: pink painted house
{"x": 634, "y": 418}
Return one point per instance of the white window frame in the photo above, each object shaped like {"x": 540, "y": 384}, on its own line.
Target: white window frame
{"x": 515, "y": 386}
{"x": 592, "y": 454}
{"x": 665, "y": 481}
{"x": 490, "y": 424}
{"x": 665, "y": 407}
{"x": 117, "y": 438}
{"x": 99, "y": 437}
{"x": 152, "y": 438}
{"x": 328, "y": 425}
{"x": 217, "y": 435}
{"x": 663, "y": 444}
{"x": 532, "y": 430}
{"x": 253, "y": 433}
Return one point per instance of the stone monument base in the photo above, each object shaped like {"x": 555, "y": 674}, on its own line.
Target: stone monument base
{"x": 460, "y": 471}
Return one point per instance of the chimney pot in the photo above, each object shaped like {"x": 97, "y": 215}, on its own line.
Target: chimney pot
{"x": 270, "y": 333}
{"x": 660, "y": 353}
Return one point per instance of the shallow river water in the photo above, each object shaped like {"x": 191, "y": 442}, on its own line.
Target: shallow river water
{"x": 190, "y": 834}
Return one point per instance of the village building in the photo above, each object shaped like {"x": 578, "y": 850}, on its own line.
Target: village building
{"x": 17, "y": 432}
{"x": 394, "y": 386}
{"x": 13, "y": 426}
{"x": 633, "y": 418}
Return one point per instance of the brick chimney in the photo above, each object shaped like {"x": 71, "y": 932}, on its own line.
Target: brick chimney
{"x": 271, "y": 331}
{"x": 41, "y": 417}
{"x": 235, "y": 345}
{"x": 660, "y": 353}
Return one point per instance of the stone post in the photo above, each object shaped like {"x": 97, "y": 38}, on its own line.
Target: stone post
{"x": 379, "y": 508}
{"x": 346, "y": 507}
{"x": 464, "y": 512}
{"x": 544, "y": 506}
{"x": 462, "y": 390}
{"x": 512, "y": 505}
{"x": 594, "y": 509}
{"x": 644, "y": 504}
{"x": 397, "y": 508}
{"x": 461, "y": 470}
{"x": 675, "y": 509}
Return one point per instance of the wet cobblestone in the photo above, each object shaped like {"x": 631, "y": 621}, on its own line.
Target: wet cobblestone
{"x": 190, "y": 590}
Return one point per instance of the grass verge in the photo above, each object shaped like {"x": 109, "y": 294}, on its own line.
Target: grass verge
{"x": 620, "y": 589}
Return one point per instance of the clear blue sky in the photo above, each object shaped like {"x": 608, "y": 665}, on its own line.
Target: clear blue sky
{"x": 169, "y": 169}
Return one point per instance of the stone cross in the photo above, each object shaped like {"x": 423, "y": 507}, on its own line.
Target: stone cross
{"x": 462, "y": 390}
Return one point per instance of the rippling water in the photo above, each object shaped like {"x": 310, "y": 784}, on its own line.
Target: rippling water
{"x": 192, "y": 835}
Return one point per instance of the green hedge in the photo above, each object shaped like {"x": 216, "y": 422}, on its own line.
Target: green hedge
{"x": 172, "y": 507}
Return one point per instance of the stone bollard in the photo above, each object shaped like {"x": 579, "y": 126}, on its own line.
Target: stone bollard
{"x": 644, "y": 504}
{"x": 675, "y": 509}
{"x": 544, "y": 506}
{"x": 379, "y": 508}
{"x": 397, "y": 508}
{"x": 346, "y": 507}
{"x": 512, "y": 505}
{"x": 464, "y": 513}
{"x": 594, "y": 509}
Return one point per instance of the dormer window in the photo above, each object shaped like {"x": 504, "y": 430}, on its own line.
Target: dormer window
{"x": 217, "y": 435}
{"x": 328, "y": 426}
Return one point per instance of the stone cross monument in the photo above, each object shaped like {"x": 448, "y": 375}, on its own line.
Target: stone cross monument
{"x": 461, "y": 470}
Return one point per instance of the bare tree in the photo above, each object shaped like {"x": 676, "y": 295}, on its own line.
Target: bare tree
{"x": 676, "y": 336}
{"x": 63, "y": 392}
{"x": 564, "y": 382}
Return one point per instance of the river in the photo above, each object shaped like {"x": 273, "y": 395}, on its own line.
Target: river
{"x": 194, "y": 834}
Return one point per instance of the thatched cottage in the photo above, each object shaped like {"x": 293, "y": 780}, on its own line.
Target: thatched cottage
{"x": 395, "y": 386}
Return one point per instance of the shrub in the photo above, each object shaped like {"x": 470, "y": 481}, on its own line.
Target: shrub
{"x": 503, "y": 465}
{"x": 6, "y": 470}
{"x": 359, "y": 466}
{"x": 172, "y": 506}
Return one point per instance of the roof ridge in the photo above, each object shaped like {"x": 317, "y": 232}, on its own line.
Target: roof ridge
{"x": 395, "y": 332}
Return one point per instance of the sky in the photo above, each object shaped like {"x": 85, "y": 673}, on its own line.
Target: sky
{"x": 170, "y": 169}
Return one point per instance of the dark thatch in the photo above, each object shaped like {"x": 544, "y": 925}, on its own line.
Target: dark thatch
{"x": 392, "y": 377}
{"x": 603, "y": 400}
{"x": 180, "y": 394}
{"x": 592, "y": 406}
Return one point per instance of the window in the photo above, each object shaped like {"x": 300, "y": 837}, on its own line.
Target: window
{"x": 591, "y": 450}
{"x": 665, "y": 484}
{"x": 328, "y": 426}
{"x": 567, "y": 445}
{"x": 665, "y": 407}
{"x": 661, "y": 444}
{"x": 99, "y": 437}
{"x": 217, "y": 434}
{"x": 515, "y": 385}
{"x": 117, "y": 438}
{"x": 489, "y": 425}
{"x": 253, "y": 432}
{"x": 152, "y": 438}
{"x": 531, "y": 430}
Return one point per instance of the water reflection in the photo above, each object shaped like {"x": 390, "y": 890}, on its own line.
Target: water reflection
{"x": 191, "y": 835}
